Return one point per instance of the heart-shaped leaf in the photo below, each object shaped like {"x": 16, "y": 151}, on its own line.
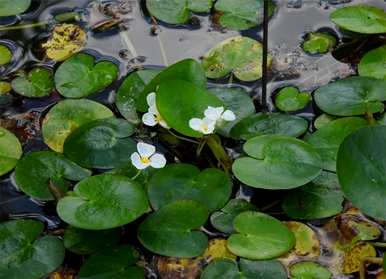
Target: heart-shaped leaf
{"x": 117, "y": 262}
{"x": 102, "y": 202}
{"x": 270, "y": 166}
{"x": 179, "y": 101}
{"x": 38, "y": 171}
{"x": 290, "y": 99}
{"x": 68, "y": 115}
{"x": 373, "y": 63}
{"x": 328, "y": 138}
{"x": 360, "y": 166}
{"x": 175, "y": 226}
{"x": 84, "y": 242}
{"x": 269, "y": 124}
{"x": 10, "y": 8}
{"x": 102, "y": 144}
{"x": 352, "y": 96}
{"x": 5, "y": 53}
{"x": 245, "y": 269}
{"x": 210, "y": 187}
{"x": 239, "y": 55}
{"x": 245, "y": 16}
{"x": 223, "y": 220}
{"x": 307, "y": 242}
{"x": 353, "y": 258}
{"x": 260, "y": 237}
{"x": 24, "y": 254}
{"x": 39, "y": 82}
{"x": 319, "y": 43}
{"x": 80, "y": 76}
{"x": 10, "y": 151}
{"x": 361, "y": 19}
{"x": 128, "y": 93}
{"x": 321, "y": 198}
{"x": 302, "y": 270}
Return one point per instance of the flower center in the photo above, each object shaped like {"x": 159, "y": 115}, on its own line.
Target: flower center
{"x": 158, "y": 118}
{"x": 205, "y": 127}
{"x": 145, "y": 160}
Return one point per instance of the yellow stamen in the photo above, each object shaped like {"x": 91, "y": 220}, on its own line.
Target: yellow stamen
{"x": 145, "y": 160}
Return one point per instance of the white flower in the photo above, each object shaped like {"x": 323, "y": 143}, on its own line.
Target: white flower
{"x": 218, "y": 113}
{"x": 146, "y": 156}
{"x": 153, "y": 117}
{"x": 205, "y": 126}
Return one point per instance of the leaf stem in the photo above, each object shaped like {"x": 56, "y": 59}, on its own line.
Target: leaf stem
{"x": 136, "y": 175}
{"x": 183, "y": 138}
{"x": 214, "y": 143}
{"x": 200, "y": 147}
{"x": 371, "y": 260}
{"x": 55, "y": 191}
{"x": 370, "y": 118}
{"x": 23, "y": 26}
{"x": 379, "y": 244}
{"x": 270, "y": 205}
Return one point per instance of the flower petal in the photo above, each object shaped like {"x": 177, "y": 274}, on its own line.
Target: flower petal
{"x": 228, "y": 115}
{"x": 195, "y": 124}
{"x": 145, "y": 149}
{"x": 209, "y": 124}
{"x": 149, "y": 119}
{"x": 153, "y": 109}
{"x": 136, "y": 161}
{"x": 213, "y": 113}
{"x": 150, "y": 99}
{"x": 157, "y": 161}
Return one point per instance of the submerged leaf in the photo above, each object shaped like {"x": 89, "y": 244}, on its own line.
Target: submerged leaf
{"x": 319, "y": 43}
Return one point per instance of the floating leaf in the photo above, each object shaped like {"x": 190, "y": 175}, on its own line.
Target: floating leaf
{"x": 102, "y": 202}
{"x": 353, "y": 257}
{"x": 5, "y": 52}
{"x": 223, "y": 220}
{"x": 175, "y": 226}
{"x": 24, "y": 254}
{"x": 39, "y": 82}
{"x": 10, "y": 151}
{"x": 269, "y": 124}
{"x": 270, "y": 166}
{"x": 84, "y": 242}
{"x": 5, "y": 87}
{"x": 290, "y": 99}
{"x": 260, "y": 237}
{"x": 323, "y": 119}
{"x": 217, "y": 248}
{"x": 320, "y": 198}
{"x": 80, "y": 76}
{"x": 179, "y": 101}
{"x": 102, "y": 144}
{"x": 239, "y": 55}
{"x": 245, "y": 16}
{"x": 66, "y": 116}
{"x": 352, "y": 96}
{"x": 10, "y": 8}
{"x": 307, "y": 242}
{"x": 303, "y": 270}
{"x": 66, "y": 40}
{"x": 129, "y": 91}
{"x": 319, "y": 43}
{"x": 37, "y": 170}
{"x": 211, "y": 187}
{"x": 116, "y": 262}
{"x": 179, "y": 268}
{"x": 373, "y": 63}
{"x": 361, "y": 19}
{"x": 359, "y": 167}
{"x": 328, "y": 138}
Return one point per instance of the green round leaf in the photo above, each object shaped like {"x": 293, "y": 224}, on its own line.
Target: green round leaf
{"x": 102, "y": 144}
{"x": 373, "y": 63}
{"x": 241, "y": 17}
{"x": 5, "y": 52}
{"x": 112, "y": 263}
{"x": 260, "y": 237}
{"x": 319, "y": 43}
{"x": 352, "y": 96}
{"x": 290, "y": 99}
{"x": 38, "y": 171}
{"x": 66, "y": 116}
{"x": 23, "y": 254}
{"x": 80, "y": 76}
{"x": 10, "y": 7}
{"x": 239, "y": 55}
{"x": 269, "y": 124}
{"x": 200, "y": 6}
{"x": 128, "y": 93}
{"x": 39, "y": 82}
{"x": 84, "y": 242}
{"x": 223, "y": 220}
{"x": 10, "y": 151}
{"x": 102, "y": 202}
{"x": 361, "y": 19}
{"x": 246, "y": 269}
{"x": 360, "y": 164}
{"x": 211, "y": 187}
{"x": 309, "y": 270}
{"x": 321, "y": 198}
{"x": 179, "y": 101}
{"x": 328, "y": 138}
{"x": 237, "y": 100}
{"x": 172, "y": 230}
{"x": 322, "y": 120}
{"x": 270, "y": 166}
